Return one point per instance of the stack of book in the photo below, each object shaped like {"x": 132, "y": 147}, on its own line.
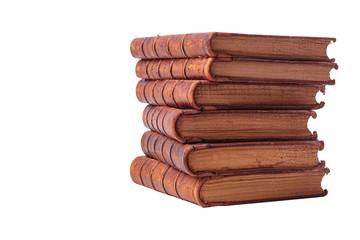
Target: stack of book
{"x": 228, "y": 116}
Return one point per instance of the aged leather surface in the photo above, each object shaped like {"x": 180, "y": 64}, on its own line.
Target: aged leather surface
{"x": 167, "y": 150}
{"x": 181, "y": 94}
{"x": 175, "y": 154}
{"x": 171, "y": 93}
{"x": 187, "y": 68}
{"x": 163, "y": 120}
{"x": 200, "y": 69}
{"x": 161, "y": 177}
{"x": 199, "y": 45}
{"x": 172, "y": 46}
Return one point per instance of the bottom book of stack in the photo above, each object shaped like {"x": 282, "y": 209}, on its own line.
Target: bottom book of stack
{"x": 246, "y": 186}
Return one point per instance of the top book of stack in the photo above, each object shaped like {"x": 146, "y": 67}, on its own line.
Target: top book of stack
{"x": 221, "y": 45}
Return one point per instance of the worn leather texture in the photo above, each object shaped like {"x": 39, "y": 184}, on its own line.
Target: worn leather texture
{"x": 181, "y": 94}
{"x": 163, "y": 120}
{"x": 161, "y": 177}
{"x": 173, "y": 46}
{"x": 171, "y": 93}
{"x": 200, "y": 69}
{"x": 175, "y": 154}
{"x": 167, "y": 150}
{"x": 187, "y": 68}
{"x": 199, "y": 45}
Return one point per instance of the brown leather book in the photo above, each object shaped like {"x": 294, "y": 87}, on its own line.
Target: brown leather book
{"x": 209, "y": 159}
{"x": 246, "y": 187}
{"x": 231, "y": 44}
{"x": 190, "y": 125}
{"x": 237, "y": 70}
{"x": 202, "y": 94}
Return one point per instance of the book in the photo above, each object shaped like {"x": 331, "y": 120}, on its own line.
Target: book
{"x": 210, "y": 159}
{"x": 202, "y": 94}
{"x": 214, "y": 44}
{"x": 237, "y": 70}
{"x": 191, "y": 125}
{"x": 245, "y": 187}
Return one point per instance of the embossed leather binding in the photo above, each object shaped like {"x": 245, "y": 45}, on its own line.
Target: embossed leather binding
{"x": 231, "y": 44}
{"x": 190, "y": 125}
{"x": 246, "y": 187}
{"x": 202, "y": 94}
{"x": 209, "y": 159}
{"x": 237, "y": 70}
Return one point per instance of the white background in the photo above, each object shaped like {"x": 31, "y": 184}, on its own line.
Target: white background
{"x": 70, "y": 123}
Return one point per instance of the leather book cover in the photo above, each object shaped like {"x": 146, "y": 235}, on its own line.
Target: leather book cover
{"x": 171, "y": 93}
{"x": 248, "y": 46}
{"x": 272, "y": 71}
{"x": 161, "y": 177}
{"x": 182, "y": 94}
{"x": 163, "y": 120}
{"x": 176, "y": 154}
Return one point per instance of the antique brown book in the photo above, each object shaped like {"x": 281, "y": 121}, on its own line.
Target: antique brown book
{"x": 208, "y": 159}
{"x": 246, "y": 187}
{"x": 231, "y": 44}
{"x": 237, "y": 70}
{"x": 202, "y": 94}
{"x": 190, "y": 125}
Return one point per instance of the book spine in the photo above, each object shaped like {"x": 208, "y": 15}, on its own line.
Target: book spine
{"x": 167, "y": 150}
{"x": 163, "y": 178}
{"x": 187, "y": 68}
{"x": 173, "y": 46}
{"x": 162, "y": 120}
{"x": 171, "y": 93}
